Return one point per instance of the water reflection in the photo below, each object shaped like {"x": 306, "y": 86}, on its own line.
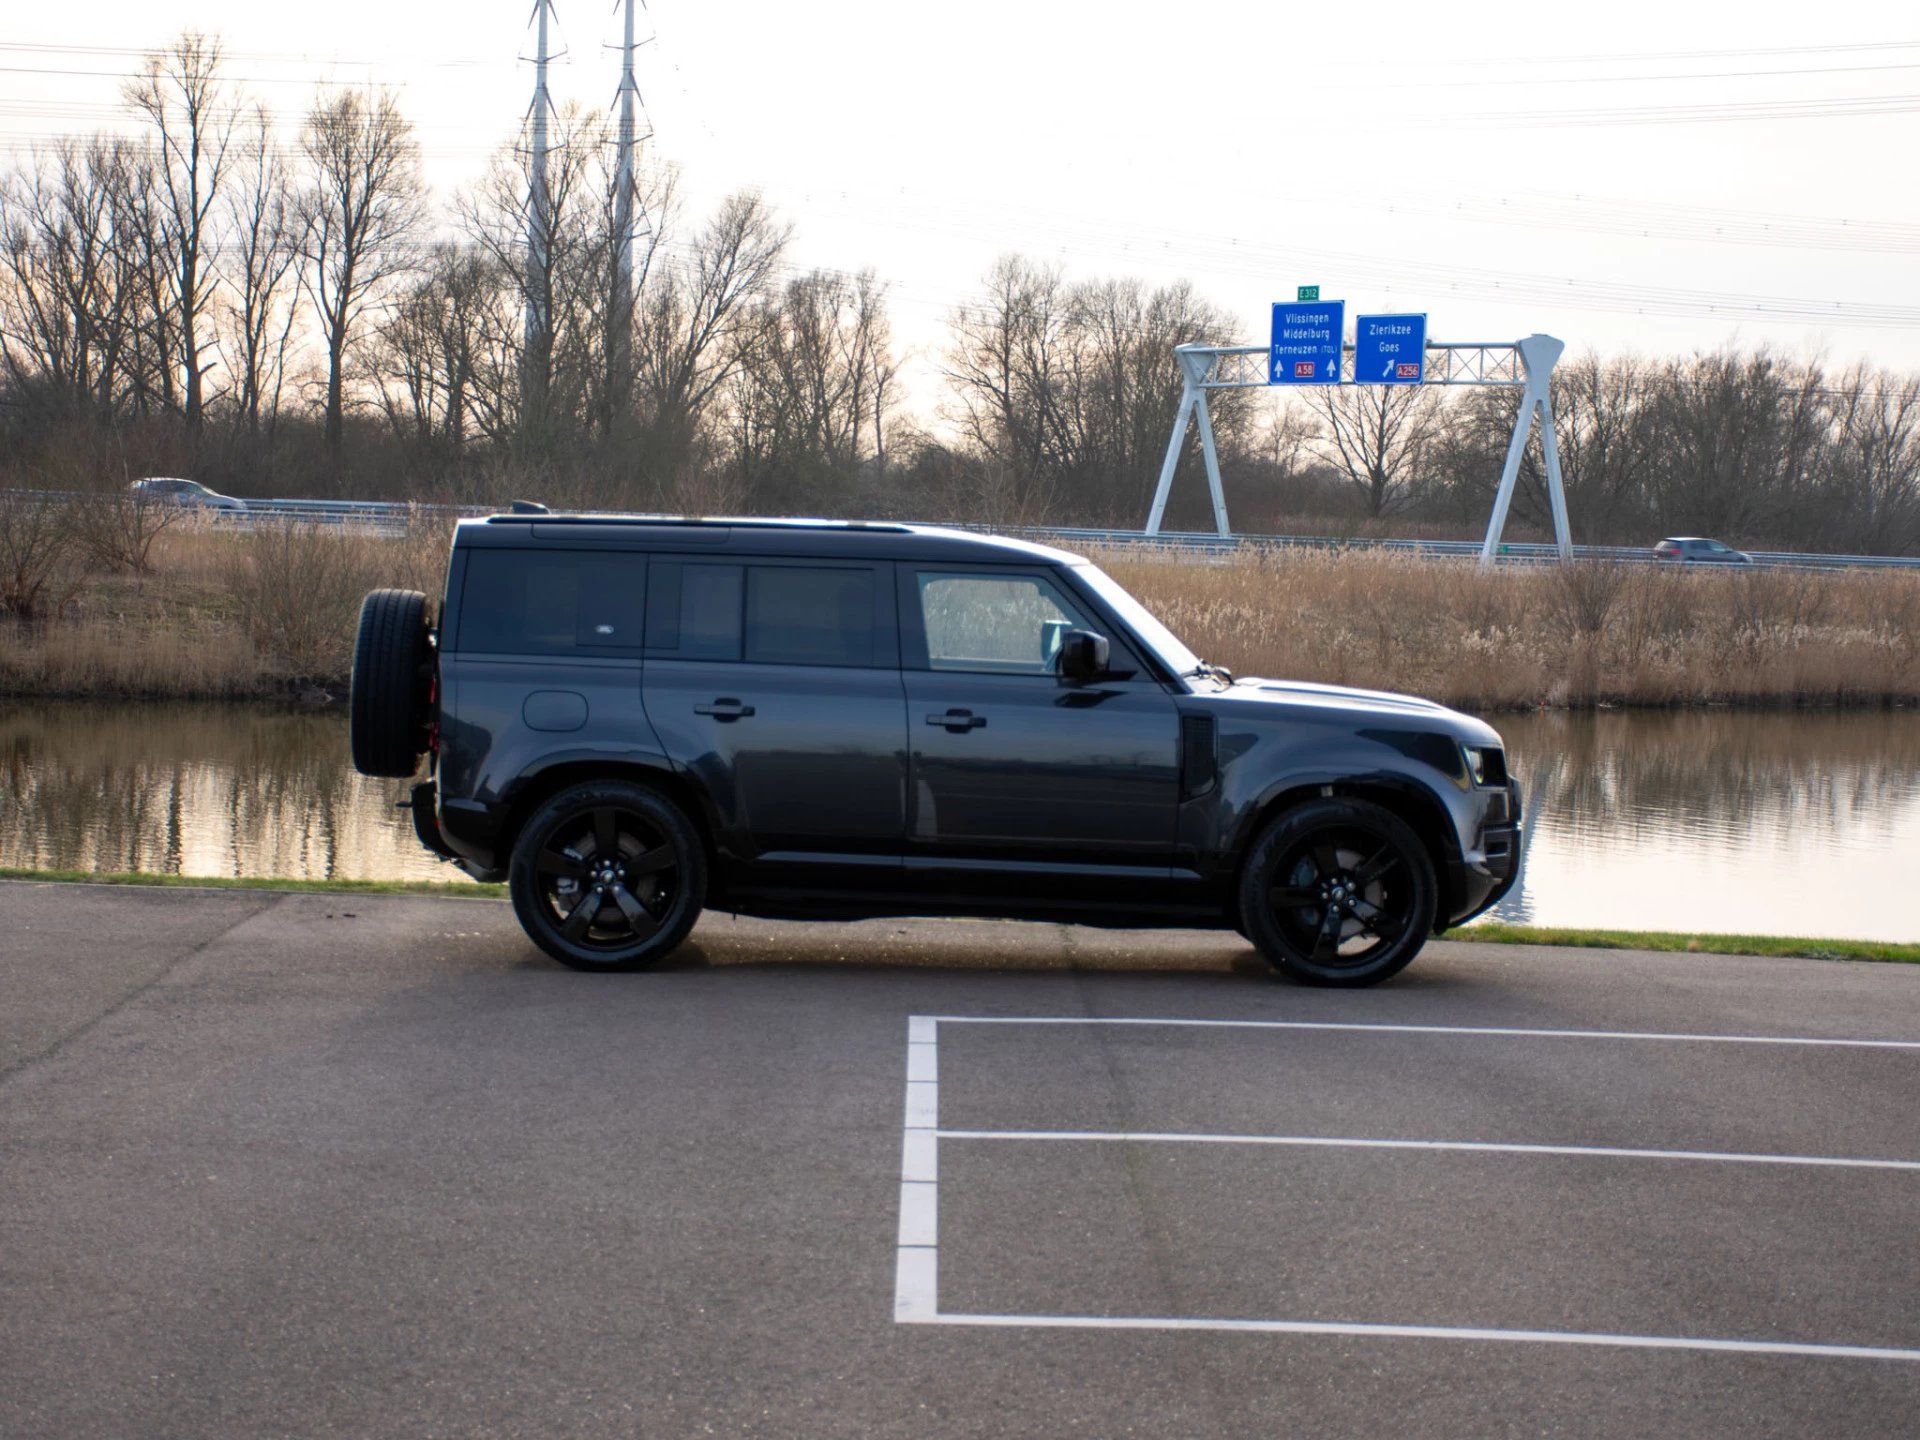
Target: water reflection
{"x": 1788, "y": 824}
{"x": 197, "y": 790}
{"x": 1791, "y": 823}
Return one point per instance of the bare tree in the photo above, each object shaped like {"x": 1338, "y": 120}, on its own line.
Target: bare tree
{"x": 364, "y": 205}
{"x": 69, "y": 294}
{"x": 440, "y": 366}
{"x": 1005, "y": 362}
{"x": 1601, "y": 421}
{"x": 1872, "y": 475}
{"x": 42, "y": 561}
{"x": 1073, "y": 388}
{"x": 693, "y": 326}
{"x": 266, "y": 229}
{"x": 810, "y": 412}
{"x": 153, "y": 378}
{"x": 1378, "y": 438}
{"x": 1126, "y": 386}
{"x": 562, "y": 365}
{"x": 1734, "y": 438}
{"x": 180, "y": 95}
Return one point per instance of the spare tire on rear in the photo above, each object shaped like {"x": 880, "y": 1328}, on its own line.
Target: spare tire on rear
{"x": 392, "y": 702}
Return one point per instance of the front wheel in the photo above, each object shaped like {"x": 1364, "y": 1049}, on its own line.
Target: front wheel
{"x": 1338, "y": 892}
{"x": 608, "y": 876}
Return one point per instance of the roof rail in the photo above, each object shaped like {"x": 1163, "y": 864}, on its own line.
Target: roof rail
{"x": 692, "y": 521}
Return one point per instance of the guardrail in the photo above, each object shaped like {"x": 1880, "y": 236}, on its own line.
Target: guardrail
{"x": 1515, "y": 552}
{"x": 392, "y": 516}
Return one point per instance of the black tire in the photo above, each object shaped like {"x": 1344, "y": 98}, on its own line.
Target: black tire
{"x": 608, "y": 876}
{"x": 391, "y": 706}
{"x": 1338, "y": 892}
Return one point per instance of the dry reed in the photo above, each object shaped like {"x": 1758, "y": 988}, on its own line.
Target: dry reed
{"x": 1524, "y": 637}
{"x": 227, "y": 614}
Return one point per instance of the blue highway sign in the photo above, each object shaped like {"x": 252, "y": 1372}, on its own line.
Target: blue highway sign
{"x": 1389, "y": 349}
{"x": 1306, "y": 343}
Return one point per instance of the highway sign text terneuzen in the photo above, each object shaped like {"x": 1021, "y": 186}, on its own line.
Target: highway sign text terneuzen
{"x": 1306, "y": 343}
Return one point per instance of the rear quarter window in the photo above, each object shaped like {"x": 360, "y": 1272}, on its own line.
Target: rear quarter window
{"x": 526, "y": 602}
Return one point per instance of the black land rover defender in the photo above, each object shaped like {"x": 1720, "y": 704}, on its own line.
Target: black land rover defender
{"x": 629, "y": 719}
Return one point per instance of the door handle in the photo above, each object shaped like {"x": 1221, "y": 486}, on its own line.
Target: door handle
{"x": 958, "y": 720}
{"x": 724, "y": 709}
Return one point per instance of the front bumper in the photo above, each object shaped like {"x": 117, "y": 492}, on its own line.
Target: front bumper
{"x": 1483, "y": 878}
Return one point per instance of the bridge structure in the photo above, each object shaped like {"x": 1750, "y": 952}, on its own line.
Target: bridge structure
{"x": 1525, "y": 365}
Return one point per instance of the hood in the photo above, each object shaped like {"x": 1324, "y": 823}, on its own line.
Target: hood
{"x": 1329, "y": 702}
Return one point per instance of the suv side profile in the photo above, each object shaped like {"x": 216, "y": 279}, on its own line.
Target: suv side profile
{"x": 629, "y": 719}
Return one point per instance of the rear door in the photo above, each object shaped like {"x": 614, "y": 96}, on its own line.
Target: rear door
{"x": 545, "y": 665}
{"x": 1013, "y": 770}
{"x": 776, "y": 684}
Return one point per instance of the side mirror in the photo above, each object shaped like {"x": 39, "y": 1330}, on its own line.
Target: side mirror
{"x": 1083, "y": 656}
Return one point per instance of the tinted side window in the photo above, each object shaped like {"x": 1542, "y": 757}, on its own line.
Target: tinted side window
{"x": 993, "y": 624}
{"x": 526, "y": 602}
{"x": 800, "y": 615}
{"x": 695, "y": 611}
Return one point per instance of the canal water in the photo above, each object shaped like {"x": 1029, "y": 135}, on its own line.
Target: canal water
{"x": 1790, "y": 823}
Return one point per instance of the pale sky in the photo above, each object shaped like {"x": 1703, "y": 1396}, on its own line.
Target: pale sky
{"x": 1601, "y": 173}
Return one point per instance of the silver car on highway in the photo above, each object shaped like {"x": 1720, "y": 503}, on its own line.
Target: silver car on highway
{"x": 168, "y": 490}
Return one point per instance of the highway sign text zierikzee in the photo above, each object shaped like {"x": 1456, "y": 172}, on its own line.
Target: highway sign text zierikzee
{"x": 1389, "y": 349}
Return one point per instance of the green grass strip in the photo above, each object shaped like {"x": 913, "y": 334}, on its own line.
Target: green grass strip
{"x": 1791, "y": 946}
{"x": 457, "y": 889}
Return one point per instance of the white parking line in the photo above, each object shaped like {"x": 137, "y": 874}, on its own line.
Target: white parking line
{"x": 1487, "y": 1146}
{"x": 916, "y": 1282}
{"x": 1429, "y": 1332}
{"x": 1816, "y": 1040}
{"x": 917, "y": 1260}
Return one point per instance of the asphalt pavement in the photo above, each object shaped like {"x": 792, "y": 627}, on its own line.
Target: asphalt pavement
{"x": 315, "y": 1165}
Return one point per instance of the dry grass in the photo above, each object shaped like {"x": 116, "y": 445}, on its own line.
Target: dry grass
{"x": 226, "y": 614}
{"x": 223, "y": 614}
{"x": 1544, "y": 636}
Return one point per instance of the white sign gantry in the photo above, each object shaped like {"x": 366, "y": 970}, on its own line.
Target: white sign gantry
{"x": 1525, "y": 365}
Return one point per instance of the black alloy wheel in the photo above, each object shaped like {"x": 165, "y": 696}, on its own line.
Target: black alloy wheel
{"x": 1338, "y": 892}
{"x": 608, "y": 876}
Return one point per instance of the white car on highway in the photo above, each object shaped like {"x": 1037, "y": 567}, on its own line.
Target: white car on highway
{"x": 161, "y": 489}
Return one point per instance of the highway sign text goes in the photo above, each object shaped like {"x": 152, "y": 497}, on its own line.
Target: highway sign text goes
{"x": 1389, "y": 349}
{"x": 1306, "y": 343}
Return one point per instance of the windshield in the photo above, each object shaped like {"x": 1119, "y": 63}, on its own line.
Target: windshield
{"x": 1164, "y": 643}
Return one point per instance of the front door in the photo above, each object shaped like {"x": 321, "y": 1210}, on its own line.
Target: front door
{"x": 1013, "y": 770}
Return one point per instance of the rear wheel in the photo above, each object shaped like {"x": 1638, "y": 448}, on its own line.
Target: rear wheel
{"x": 608, "y": 876}
{"x": 392, "y": 699}
{"x": 1338, "y": 892}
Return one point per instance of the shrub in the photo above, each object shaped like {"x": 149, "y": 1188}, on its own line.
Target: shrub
{"x": 42, "y": 558}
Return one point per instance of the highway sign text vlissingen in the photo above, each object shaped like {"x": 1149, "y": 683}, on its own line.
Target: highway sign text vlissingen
{"x": 1306, "y": 343}
{"x": 1389, "y": 349}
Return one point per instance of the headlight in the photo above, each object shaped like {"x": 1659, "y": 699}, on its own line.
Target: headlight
{"x": 1486, "y": 764}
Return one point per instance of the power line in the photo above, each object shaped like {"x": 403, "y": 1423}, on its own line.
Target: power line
{"x": 1721, "y": 112}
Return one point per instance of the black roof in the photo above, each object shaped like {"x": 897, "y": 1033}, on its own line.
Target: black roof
{"x": 872, "y": 540}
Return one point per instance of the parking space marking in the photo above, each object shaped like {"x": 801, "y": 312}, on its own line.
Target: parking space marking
{"x": 916, "y": 1276}
{"x": 1816, "y": 1040}
{"x": 1493, "y": 1147}
{"x": 1427, "y": 1332}
{"x": 917, "y": 1259}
